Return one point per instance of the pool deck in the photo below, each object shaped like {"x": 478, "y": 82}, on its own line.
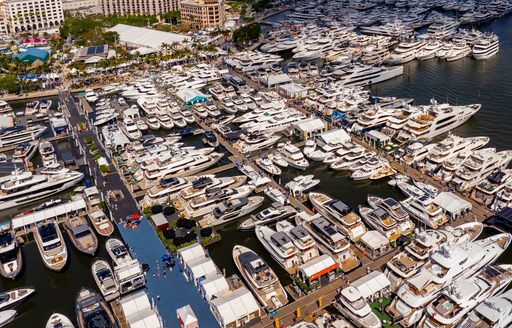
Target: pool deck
{"x": 174, "y": 290}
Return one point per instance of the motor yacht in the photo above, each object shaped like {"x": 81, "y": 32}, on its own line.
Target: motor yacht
{"x": 91, "y": 309}
{"x": 44, "y": 106}
{"x": 81, "y": 235}
{"x": 130, "y": 129}
{"x": 301, "y": 184}
{"x": 404, "y": 224}
{"x": 369, "y": 168}
{"x": 294, "y": 157}
{"x": 351, "y": 159}
{"x": 450, "y": 147}
{"x": 486, "y": 47}
{"x": 457, "y": 52}
{"x": 260, "y": 277}
{"x": 449, "y": 167}
{"x": 101, "y": 223}
{"x": 374, "y": 55}
{"x": 455, "y": 302}
{"x": 178, "y": 120}
{"x": 408, "y": 262}
{"x": 435, "y": 120}
{"x": 204, "y": 204}
{"x": 488, "y": 188}
{"x": 25, "y": 151}
{"x": 415, "y": 153}
{"x": 479, "y": 165}
{"x": 352, "y": 305}
{"x": 20, "y": 134}
{"x": 164, "y": 120}
{"x": 58, "y": 320}
{"x": 380, "y": 220}
{"x": 280, "y": 246}
{"x": 117, "y": 251}
{"x": 278, "y": 160}
{"x": 31, "y": 108}
{"x": 442, "y": 29}
{"x": 330, "y": 239}
{"x": 12, "y": 298}
{"x": 424, "y": 210}
{"x": 429, "y": 51}
{"x": 90, "y": 95}
{"x": 276, "y": 212}
{"x": 339, "y": 214}
{"x": 362, "y": 75}
{"x": 11, "y": 260}
{"x": 277, "y": 123}
{"x": 153, "y": 123}
{"x": 104, "y": 277}
{"x": 268, "y": 166}
{"x": 493, "y": 312}
{"x": 446, "y": 266}
{"x": 51, "y": 245}
{"x": 47, "y": 152}
{"x": 275, "y": 195}
{"x": 230, "y": 210}
{"x": 256, "y": 142}
{"x": 24, "y": 187}
{"x": 405, "y": 52}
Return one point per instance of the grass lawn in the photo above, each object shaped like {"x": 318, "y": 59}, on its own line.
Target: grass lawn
{"x": 383, "y": 316}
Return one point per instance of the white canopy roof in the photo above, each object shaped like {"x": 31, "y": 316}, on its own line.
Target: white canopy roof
{"x": 138, "y": 312}
{"x": 374, "y": 239}
{"x": 191, "y": 252}
{"x": 451, "y": 202}
{"x": 145, "y": 37}
{"x": 201, "y": 267}
{"x": 186, "y": 314}
{"x": 49, "y": 213}
{"x": 371, "y": 283}
{"x": 239, "y": 304}
{"x": 317, "y": 265}
{"x": 310, "y": 125}
{"x": 214, "y": 285}
{"x": 334, "y": 136}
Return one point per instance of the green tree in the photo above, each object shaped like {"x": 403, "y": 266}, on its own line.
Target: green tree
{"x": 247, "y": 33}
{"x": 9, "y": 83}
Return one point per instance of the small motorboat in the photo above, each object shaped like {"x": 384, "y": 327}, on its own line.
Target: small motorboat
{"x": 141, "y": 124}
{"x": 309, "y": 147}
{"x": 14, "y": 297}
{"x": 153, "y": 123}
{"x": 7, "y": 317}
{"x": 11, "y": 261}
{"x": 117, "y": 251}
{"x": 268, "y": 166}
{"x": 93, "y": 311}
{"x": 58, "y": 320}
{"x": 278, "y": 160}
{"x": 211, "y": 138}
{"x": 104, "y": 278}
{"x": 101, "y": 223}
{"x": 81, "y": 235}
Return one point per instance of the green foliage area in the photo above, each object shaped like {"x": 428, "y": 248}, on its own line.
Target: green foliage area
{"x": 9, "y": 83}
{"x": 172, "y": 17}
{"x": 88, "y": 139}
{"x": 261, "y": 5}
{"x": 247, "y": 33}
{"x": 104, "y": 168}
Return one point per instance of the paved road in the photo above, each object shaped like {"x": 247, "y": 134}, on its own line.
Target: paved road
{"x": 119, "y": 210}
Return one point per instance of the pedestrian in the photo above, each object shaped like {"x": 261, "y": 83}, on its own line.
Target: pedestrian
{"x": 158, "y": 297}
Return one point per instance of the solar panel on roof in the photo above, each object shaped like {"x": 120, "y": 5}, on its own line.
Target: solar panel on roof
{"x": 90, "y": 51}
{"x": 99, "y": 49}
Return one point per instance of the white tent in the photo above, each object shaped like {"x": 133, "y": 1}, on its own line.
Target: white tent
{"x": 138, "y": 311}
{"x": 333, "y": 137}
{"x": 309, "y": 127}
{"x": 134, "y": 36}
{"x": 452, "y": 204}
{"x": 187, "y": 317}
{"x": 201, "y": 267}
{"x": 237, "y": 306}
{"x": 26, "y": 221}
{"x": 214, "y": 285}
{"x": 189, "y": 253}
{"x": 372, "y": 284}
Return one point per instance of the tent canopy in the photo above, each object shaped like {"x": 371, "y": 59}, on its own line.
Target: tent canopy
{"x": 214, "y": 285}
{"x": 202, "y": 267}
{"x": 374, "y": 239}
{"x": 239, "y": 304}
{"x": 318, "y": 266}
{"x": 372, "y": 283}
{"x": 191, "y": 252}
{"x": 451, "y": 203}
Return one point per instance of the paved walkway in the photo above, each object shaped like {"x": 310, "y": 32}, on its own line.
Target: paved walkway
{"x": 173, "y": 290}
{"x": 121, "y": 209}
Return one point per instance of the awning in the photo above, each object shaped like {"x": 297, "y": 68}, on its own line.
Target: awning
{"x": 372, "y": 283}
{"x": 48, "y": 214}
{"x": 191, "y": 252}
{"x": 318, "y": 267}
{"x": 451, "y": 203}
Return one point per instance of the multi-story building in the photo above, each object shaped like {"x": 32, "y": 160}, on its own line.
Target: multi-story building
{"x": 82, "y": 6}
{"x": 138, "y": 7}
{"x": 203, "y": 13}
{"x": 26, "y": 16}
{"x": 3, "y": 20}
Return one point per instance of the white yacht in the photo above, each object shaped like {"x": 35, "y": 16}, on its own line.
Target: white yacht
{"x": 449, "y": 264}
{"x": 450, "y": 147}
{"x": 19, "y": 134}
{"x": 361, "y": 75}
{"x": 435, "y": 120}
{"x": 479, "y": 165}
{"x": 25, "y": 151}
{"x": 301, "y": 184}
{"x": 486, "y": 47}
{"x": 370, "y": 168}
{"x": 395, "y": 210}
{"x": 352, "y": 305}
{"x": 493, "y": 312}
{"x": 90, "y": 95}
{"x": 153, "y": 123}
{"x": 487, "y": 189}
{"x": 5, "y": 108}
{"x": 47, "y": 152}
{"x": 256, "y": 142}
{"x": 457, "y": 52}
{"x": 24, "y": 187}
{"x": 294, "y": 157}
{"x": 277, "y": 123}
{"x": 105, "y": 280}
{"x": 268, "y": 166}
{"x": 165, "y": 120}
{"x": 449, "y": 167}
{"x": 415, "y": 153}
{"x": 130, "y": 129}
{"x": 374, "y": 55}
{"x": 301, "y": 238}
{"x": 423, "y": 209}
{"x": 380, "y": 220}
{"x": 405, "y": 52}
{"x": 408, "y": 262}
{"x": 204, "y": 204}
{"x": 51, "y": 245}
{"x": 280, "y": 246}
{"x": 429, "y": 51}
{"x": 503, "y": 198}
{"x": 230, "y": 210}
{"x": 455, "y": 302}
{"x": 276, "y": 212}
{"x": 11, "y": 260}
{"x": 340, "y": 214}
{"x": 442, "y": 29}
{"x": 260, "y": 278}
{"x": 252, "y": 60}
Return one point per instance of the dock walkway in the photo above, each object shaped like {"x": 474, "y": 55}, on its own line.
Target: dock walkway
{"x": 168, "y": 292}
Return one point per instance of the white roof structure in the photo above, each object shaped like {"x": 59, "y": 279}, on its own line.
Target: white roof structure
{"x": 214, "y": 285}
{"x": 159, "y": 219}
{"x": 186, "y": 315}
{"x": 201, "y": 267}
{"x": 114, "y": 137}
{"x": 128, "y": 270}
{"x": 374, "y": 239}
{"x": 371, "y": 283}
{"x": 189, "y": 253}
{"x": 309, "y": 125}
{"x": 237, "y": 305}
{"x": 334, "y": 137}
{"x": 378, "y": 136}
{"x": 48, "y": 214}
{"x": 317, "y": 265}
{"x": 275, "y": 79}
{"x": 190, "y": 94}
{"x": 293, "y": 88}
{"x": 138, "y": 312}
{"x": 134, "y": 36}
{"x": 451, "y": 203}
{"x": 91, "y": 191}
